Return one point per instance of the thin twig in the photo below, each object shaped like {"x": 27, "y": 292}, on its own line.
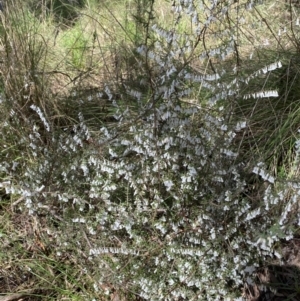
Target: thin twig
{"x": 16, "y": 296}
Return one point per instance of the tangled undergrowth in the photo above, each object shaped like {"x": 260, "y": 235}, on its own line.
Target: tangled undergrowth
{"x": 133, "y": 179}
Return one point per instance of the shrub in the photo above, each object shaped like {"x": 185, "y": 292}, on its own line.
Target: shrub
{"x": 158, "y": 203}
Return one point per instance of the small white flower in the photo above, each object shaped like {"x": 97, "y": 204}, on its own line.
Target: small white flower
{"x": 78, "y": 220}
{"x": 168, "y": 184}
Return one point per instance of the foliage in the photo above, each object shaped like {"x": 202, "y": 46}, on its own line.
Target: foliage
{"x": 76, "y": 45}
{"x": 62, "y": 10}
{"x": 155, "y": 196}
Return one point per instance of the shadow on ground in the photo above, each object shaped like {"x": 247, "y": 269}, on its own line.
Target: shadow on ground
{"x": 277, "y": 282}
